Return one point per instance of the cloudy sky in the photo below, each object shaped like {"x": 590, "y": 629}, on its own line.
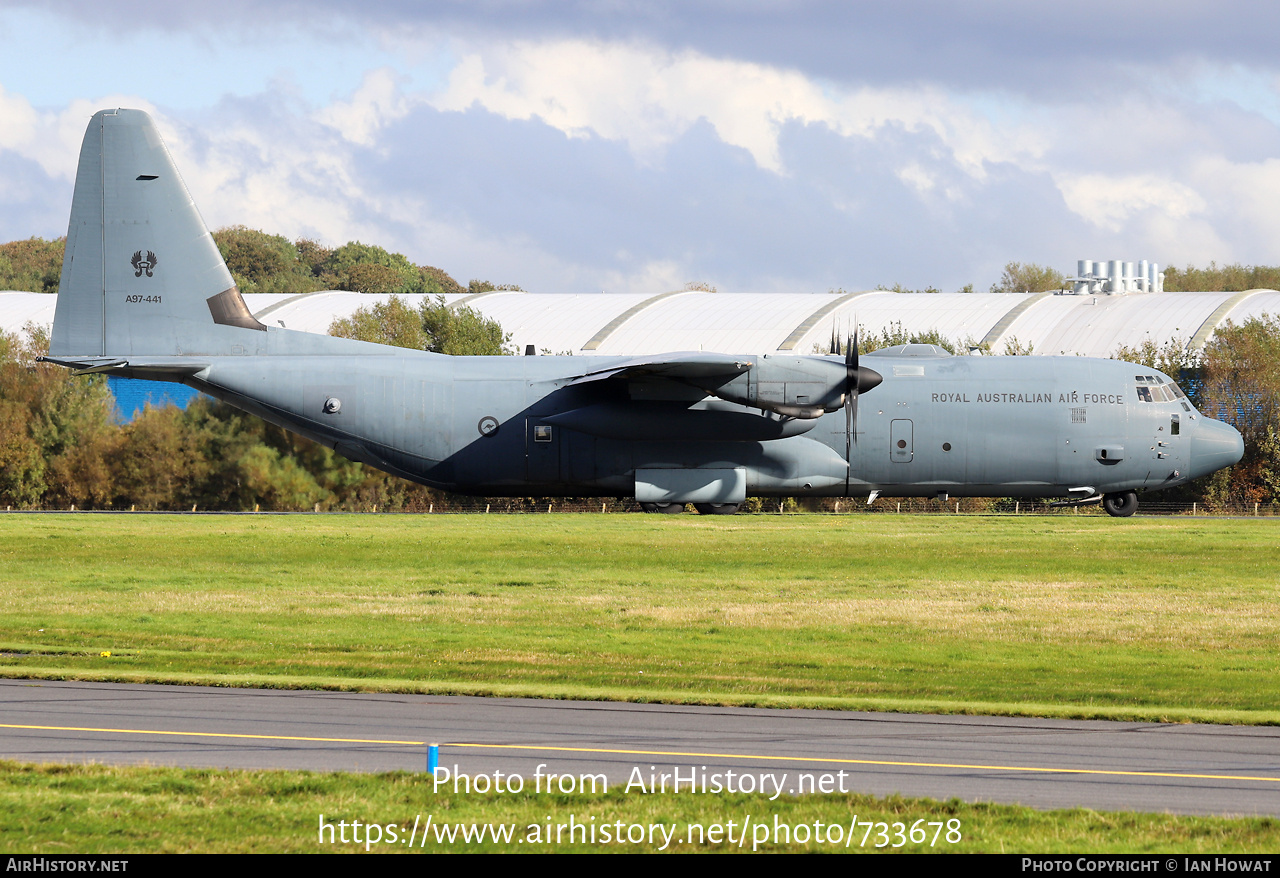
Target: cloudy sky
{"x": 636, "y": 145}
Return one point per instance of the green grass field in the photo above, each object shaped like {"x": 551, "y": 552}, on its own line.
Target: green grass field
{"x": 101, "y": 809}
{"x": 1088, "y": 617}
{"x": 1171, "y": 619}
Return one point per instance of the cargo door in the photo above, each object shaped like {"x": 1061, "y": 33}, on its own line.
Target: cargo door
{"x": 542, "y": 452}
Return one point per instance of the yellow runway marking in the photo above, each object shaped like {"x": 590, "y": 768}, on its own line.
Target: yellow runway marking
{"x": 214, "y": 735}
{"x": 680, "y": 753}
{"x": 834, "y": 760}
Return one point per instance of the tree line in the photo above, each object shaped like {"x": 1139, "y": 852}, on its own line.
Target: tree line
{"x": 1028, "y": 277}
{"x": 263, "y": 263}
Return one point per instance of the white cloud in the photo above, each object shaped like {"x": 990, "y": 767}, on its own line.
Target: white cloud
{"x": 915, "y": 176}
{"x": 653, "y": 189}
{"x": 649, "y": 97}
{"x": 52, "y": 139}
{"x": 1243, "y": 198}
{"x": 18, "y": 122}
{"x": 287, "y": 180}
{"x": 1111, "y": 201}
{"x": 378, "y": 102}
{"x": 654, "y": 276}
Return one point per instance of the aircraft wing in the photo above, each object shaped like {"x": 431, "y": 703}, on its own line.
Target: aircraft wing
{"x": 788, "y": 385}
{"x": 685, "y": 366}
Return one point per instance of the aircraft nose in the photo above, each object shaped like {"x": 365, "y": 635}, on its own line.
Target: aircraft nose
{"x": 1214, "y": 445}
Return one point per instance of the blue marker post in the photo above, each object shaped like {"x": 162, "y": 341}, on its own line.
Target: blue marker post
{"x": 433, "y": 758}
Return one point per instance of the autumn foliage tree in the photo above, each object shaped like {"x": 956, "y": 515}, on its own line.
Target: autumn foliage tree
{"x": 57, "y": 437}
{"x": 61, "y": 444}
{"x": 34, "y": 265}
{"x": 263, "y": 263}
{"x": 1241, "y": 385}
{"x": 260, "y": 262}
{"x": 1028, "y": 277}
{"x": 432, "y": 326}
{"x": 1235, "y": 379}
{"x": 1226, "y": 279}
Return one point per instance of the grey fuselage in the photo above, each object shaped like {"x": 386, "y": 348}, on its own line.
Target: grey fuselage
{"x": 964, "y": 426}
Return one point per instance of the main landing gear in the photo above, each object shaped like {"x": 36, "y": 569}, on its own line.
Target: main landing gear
{"x": 668, "y": 508}
{"x": 704, "y": 508}
{"x": 716, "y": 508}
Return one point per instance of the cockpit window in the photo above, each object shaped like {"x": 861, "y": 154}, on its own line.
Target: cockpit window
{"x": 1153, "y": 388}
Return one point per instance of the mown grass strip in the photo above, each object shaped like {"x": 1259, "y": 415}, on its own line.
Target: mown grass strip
{"x": 1169, "y": 619}
{"x": 112, "y": 810}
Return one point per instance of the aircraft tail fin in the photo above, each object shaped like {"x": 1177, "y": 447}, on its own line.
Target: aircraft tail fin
{"x": 141, "y": 275}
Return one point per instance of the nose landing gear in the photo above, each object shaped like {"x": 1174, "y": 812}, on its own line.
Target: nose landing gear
{"x": 1122, "y": 504}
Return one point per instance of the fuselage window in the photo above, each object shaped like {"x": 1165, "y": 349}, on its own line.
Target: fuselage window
{"x": 1174, "y": 425}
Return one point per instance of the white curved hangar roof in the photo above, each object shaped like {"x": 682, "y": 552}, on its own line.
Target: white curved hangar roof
{"x": 606, "y": 323}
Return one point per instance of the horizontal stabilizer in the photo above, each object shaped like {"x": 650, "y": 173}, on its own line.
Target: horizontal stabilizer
{"x": 154, "y": 368}
{"x": 85, "y": 365}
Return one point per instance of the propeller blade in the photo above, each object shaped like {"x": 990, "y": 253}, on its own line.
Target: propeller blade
{"x": 858, "y": 379}
{"x": 851, "y": 388}
{"x": 850, "y": 426}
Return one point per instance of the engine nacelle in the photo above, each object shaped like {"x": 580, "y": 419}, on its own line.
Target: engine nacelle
{"x": 798, "y": 387}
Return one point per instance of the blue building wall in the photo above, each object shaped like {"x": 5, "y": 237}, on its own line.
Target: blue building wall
{"x": 133, "y": 395}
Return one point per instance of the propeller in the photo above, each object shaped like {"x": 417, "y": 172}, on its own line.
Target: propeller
{"x": 851, "y": 395}
{"x": 857, "y": 380}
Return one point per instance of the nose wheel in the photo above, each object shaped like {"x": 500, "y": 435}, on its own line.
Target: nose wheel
{"x": 1122, "y": 504}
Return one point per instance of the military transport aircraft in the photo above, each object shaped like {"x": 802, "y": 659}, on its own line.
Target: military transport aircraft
{"x": 146, "y": 294}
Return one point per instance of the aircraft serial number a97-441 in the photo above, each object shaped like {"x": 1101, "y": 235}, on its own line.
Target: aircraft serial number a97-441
{"x": 145, "y": 294}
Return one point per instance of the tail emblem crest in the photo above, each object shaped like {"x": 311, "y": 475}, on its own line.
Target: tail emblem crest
{"x": 140, "y": 265}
